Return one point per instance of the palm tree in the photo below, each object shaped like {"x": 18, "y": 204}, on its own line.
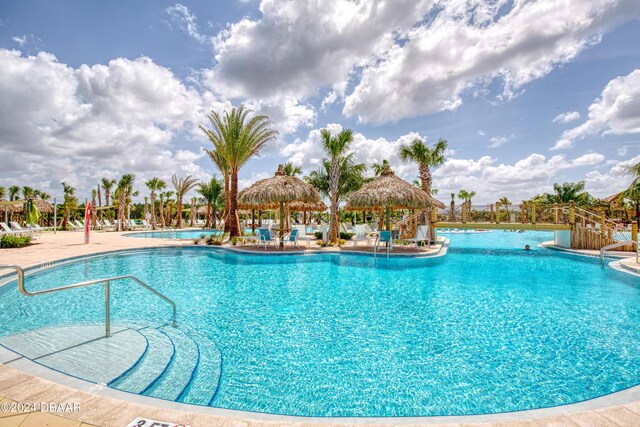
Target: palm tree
{"x": 27, "y": 192}
{"x": 3, "y": 193}
{"x": 221, "y": 164}
{"x": 107, "y": 185}
{"x": 94, "y": 194}
{"x": 14, "y": 190}
{"x": 182, "y": 186}
{"x": 417, "y": 151}
{"x": 168, "y": 214}
{"x": 44, "y": 196}
{"x": 351, "y": 176}
{"x": 237, "y": 139}
{"x": 291, "y": 170}
{"x": 336, "y": 147}
{"x": 379, "y": 167}
{"x": 504, "y": 201}
{"x": 154, "y": 184}
{"x": 161, "y": 197}
{"x": 568, "y": 191}
{"x": 633, "y": 191}
{"x": 211, "y": 192}
{"x": 70, "y": 203}
{"x": 453, "y": 207}
{"x": 466, "y": 196}
{"x": 124, "y": 191}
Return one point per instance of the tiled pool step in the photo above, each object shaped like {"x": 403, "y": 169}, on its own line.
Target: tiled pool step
{"x": 158, "y": 361}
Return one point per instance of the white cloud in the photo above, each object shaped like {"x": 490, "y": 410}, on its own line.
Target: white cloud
{"x": 328, "y": 100}
{"x": 187, "y": 21}
{"x": 612, "y": 181}
{"x": 616, "y": 111}
{"x": 481, "y": 133}
{"x": 498, "y": 141}
{"x": 459, "y": 51}
{"x": 622, "y": 151}
{"x": 19, "y": 40}
{"x": 566, "y": 117}
{"x": 79, "y": 124}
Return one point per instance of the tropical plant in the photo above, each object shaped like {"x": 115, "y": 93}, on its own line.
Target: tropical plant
{"x": 335, "y": 146}
{"x": 14, "y": 190}
{"x": 44, "y": 196}
{"x": 379, "y": 167}
{"x": 182, "y": 186}
{"x": 27, "y": 193}
{"x": 427, "y": 158}
{"x": 154, "y": 185}
{"x": 168, "y": 214}
{"x": 466, "y": 196}
{"x": 237, "y": 138}
{"x": 107, "y": 185}
{"x": 124, "y": 192}
{"x": 291, "y": 170}
{"x": 211, "y": 192}
{"x": 221, "y": 164}
{"x": 69, "y": 205}
{"x": 161, "y": 209}
{"x": 3, "y": 193}
{"x": 569, "y": 191}
{"x": 632, "y": 193}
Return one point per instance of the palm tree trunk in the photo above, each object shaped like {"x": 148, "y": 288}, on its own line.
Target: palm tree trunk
{"x": 233, "y": 206}
{"x": 227, "y": 199}
{"x": 153, "y": 211}
{"x": 179, "y": 213}
{"x": 162, "y": 212}
{"x": 208, "y": 221}
{"x": 215, "y": 219}
{"x": 333, "y": 190}
{"x": 100, "y": 201}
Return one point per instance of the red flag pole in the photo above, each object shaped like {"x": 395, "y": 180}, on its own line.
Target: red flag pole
{"x": 87, "y": 221}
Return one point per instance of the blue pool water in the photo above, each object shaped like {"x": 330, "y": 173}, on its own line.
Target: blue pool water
{"x": 180, "y": 234}
{"x": 482, "y": 330}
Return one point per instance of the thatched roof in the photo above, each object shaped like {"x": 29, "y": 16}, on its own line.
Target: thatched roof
{"x": 279, "y": 188}
{"x": 17, "y": 206}
{"x": 306, "y": 206}
{"x": 612, "y": 199}
{"x": 389, "y": 191}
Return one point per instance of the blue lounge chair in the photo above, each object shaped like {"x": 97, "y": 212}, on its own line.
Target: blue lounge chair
{"x": 265, "y": 237}
{"x": 293, "y": 238}
{"x": 385, "y": 236}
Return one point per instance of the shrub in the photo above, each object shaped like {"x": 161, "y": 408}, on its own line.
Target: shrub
{"x": 202, "y": 236}
{"x": 343, "y": 241}
{"x": 318, "y": 235}
{"x": 346, "y": 236}
{"x": 9, "y": 241}
{"x": 196, "y": 241}
{"x": 321, "y": 242}
{"x": 234, "y": 240}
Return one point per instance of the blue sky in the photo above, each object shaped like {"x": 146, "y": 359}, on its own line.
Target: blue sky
{"x": 526, "y": 93}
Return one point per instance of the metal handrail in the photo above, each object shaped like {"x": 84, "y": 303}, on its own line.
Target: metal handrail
{"x": 616, "y": 245}
{"x": 107, "y": 316}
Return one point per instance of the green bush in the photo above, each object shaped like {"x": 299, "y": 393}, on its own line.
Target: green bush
{"x": 234, "y": 240}
{"x": 346, "y": 236}
{"x": 10, "y": 241}
{"x": 318, "y": 235}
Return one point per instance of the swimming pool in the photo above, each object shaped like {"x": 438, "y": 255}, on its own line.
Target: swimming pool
{"x": 477, "y": 331}
{"x": 175, "y": 234}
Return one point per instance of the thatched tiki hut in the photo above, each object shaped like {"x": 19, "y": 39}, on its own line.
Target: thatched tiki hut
{"x": 279, "y": 189}
{"x": 16, "y": 207}
{"x": 390, "y": 192}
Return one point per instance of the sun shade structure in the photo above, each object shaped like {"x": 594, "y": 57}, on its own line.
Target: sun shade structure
{"x": 276, "y": 191}
{"x": 17, "y": 206}
{"x": 390, "y": 192}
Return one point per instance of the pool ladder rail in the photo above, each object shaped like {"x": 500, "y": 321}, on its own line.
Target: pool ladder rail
{"x": 617, "y": 245}
{"x": 107, "y": 284}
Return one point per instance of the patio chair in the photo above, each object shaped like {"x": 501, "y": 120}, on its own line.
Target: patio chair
{"x": 266, "y": 238}
{"x": 7, "y": 230}
{"x": 361, "y": 235}
{"x": 422, "y": 235}
{"x": 386, "y": 237}
{"x": 293, "y": 238}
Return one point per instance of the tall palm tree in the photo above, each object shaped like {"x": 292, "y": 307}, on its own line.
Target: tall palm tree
{"x": 154, "y": 184}
{"x": 182, "y": 186}
{"x": 107, "y": 185}
{"x": 161, "y": 209}
{"x": 70, "y": 203}
{"x": 453, "y": 207}
{"x": 211, "y": 192}
{"x": 3, "y": 193}
{"x": 168, "y": 214}
{"x": 633, "y": 191}
{"x": 44, "y": 196}
{"x": 291, "y": 170}
{"x": 336, "y": 147}
{"x": 99, "y": 200}
{"x": 427, "y": 158}
{"x": 504, "y": 201}
{"x": 466, "y": 196}
{"x": 237, "y": 139}
{"x": 568, "y": 191}
{"x": 14, "y": 190}
{"x": 124, "y": 191}
{"x": 94, "y": 194}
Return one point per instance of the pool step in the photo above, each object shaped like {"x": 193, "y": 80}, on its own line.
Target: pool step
{"x": 154, "y": 363}
{"x": 81, "y": 350}
{"x": 204, "y": 385}
{"x": 181, "y": 369}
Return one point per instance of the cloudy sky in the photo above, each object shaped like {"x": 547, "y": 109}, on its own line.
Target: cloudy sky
{"x": 527, "y": 93}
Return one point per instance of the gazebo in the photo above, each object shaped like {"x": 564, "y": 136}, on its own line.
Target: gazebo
{"x": 390, "y": 192}
{"x": 276, "y": 191}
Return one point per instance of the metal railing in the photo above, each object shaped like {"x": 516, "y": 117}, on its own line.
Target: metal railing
{"x": 107, "y": 281}
{"x": 617, "y": 245}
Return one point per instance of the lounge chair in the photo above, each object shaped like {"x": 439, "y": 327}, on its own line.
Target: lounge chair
{"x": 7, "y": 230}
{"x": 15, "y": 226}
{"x": 386, "y": 237}
{"x": 293, "y": 238}
{"x": 265, "y": 237}
{"x": 422, "y": 235}
{"x": 361, "y": 235}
